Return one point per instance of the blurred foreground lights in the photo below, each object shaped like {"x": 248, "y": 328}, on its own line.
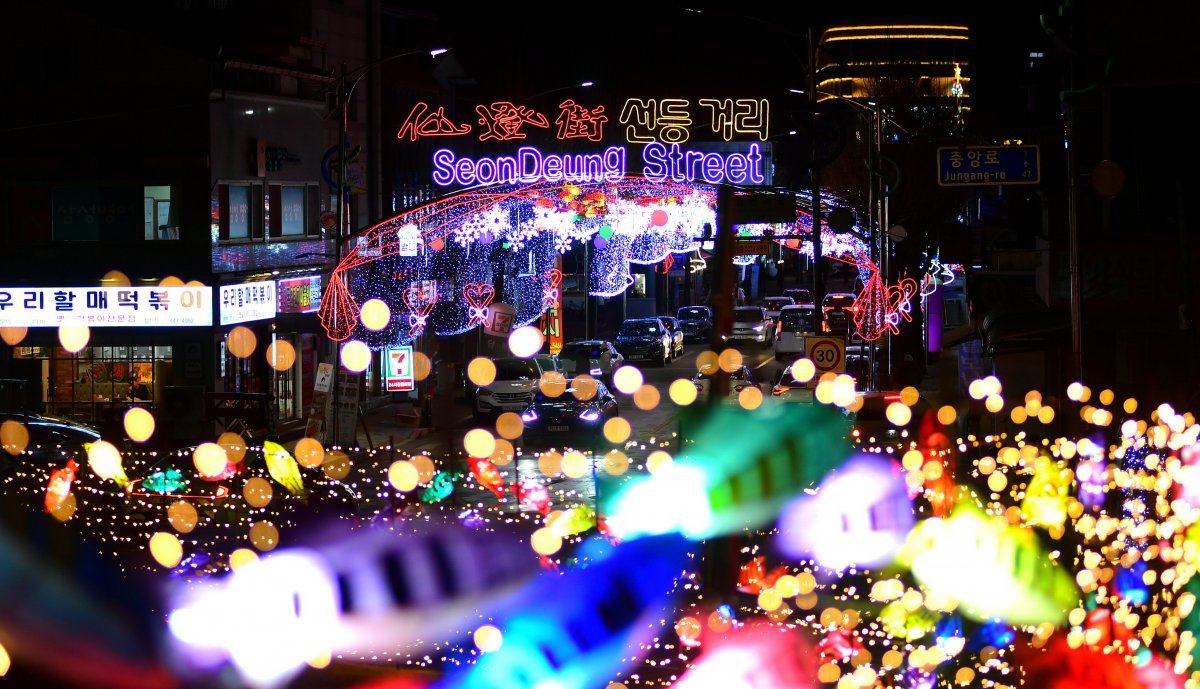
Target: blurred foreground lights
{"x": 74, "y": 337}
{"x": 509, "y": 425}
{"x": 842, "y": 390}
{"x": 281, "y": 355}
{"x": 336, "y": 465}
{"x": 947, "y": 415}
{"x": 170, "y": 281}
{"x": 574, "y": 464}
{"x": 481, "y": 371}
{"x": 646, "y": 397}
{"x": 139, "y": 424}
{"x": 241, "y": 557}
{"x": 545, "y": 542}
{"x": 525, "y": 341}
{"x": 182, "y": 516}
{"x": 898, "y": 414}
{"x": 488, "y": 639}
{"x": 751, "y": 398}
{"x": 356, "y": 356}
{"x": 616, "y": 463}
{"x": 617, "y": 430}
{"x": 910, "y": 395}
{"x": 241, "y": 341}
{"x": 1075, "y": 392}
{"x": 5, "y": 661}
{"x": 730, "y": 360}
{"x": 14, "y": 437}
{"x": 375, "y": 314}
{"x": 682, "y": 391}
{"x": 257, "y": 492}
{"x": 658, "y": 461}
{"x": 235, "y": 446}
{"x": 105, "y": 460}
{"x": 310, "y": 453}
{"x": 264, "y": 536}
{"x": 403, "y": 476}
{"x": 210, "y": 460}
{"x": 166, "y": 549}
{"x": 803, "y": 370}
{"x": 114, "y": 278}
{"x": 994, "y": 403}
{"x": 627, "y": 379}
{"x": 674, "y": 498}
{"x": 479, "y": 442}
{"x": 12, "y": 336}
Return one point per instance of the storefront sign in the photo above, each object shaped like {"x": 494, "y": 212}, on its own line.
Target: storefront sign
{"x": 500, "y": 320}
{"x": 299, "y": 295}
{"x": 660, "y": 128}
{"x": 248, "y": 301}
{"x": 49, "y": 307}
{"x": 399, "y": 361}
{"x": 408, "y": 239}
{"x": 552, "y": 319}
{"x": 320, "y": 401}
{"x": 659, "y": 162}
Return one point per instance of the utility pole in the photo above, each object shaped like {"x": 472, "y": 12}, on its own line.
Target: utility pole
{"x": 815, "y": 171}
{"x": 722, "y": 298}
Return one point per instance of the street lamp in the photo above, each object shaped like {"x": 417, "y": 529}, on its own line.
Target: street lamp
{"x": 581, "y": 85}
{"x": 344, "y": 97}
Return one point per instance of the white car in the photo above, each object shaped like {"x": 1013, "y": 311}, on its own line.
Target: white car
{"x": 750, "y": 323}
{"x": 794, "y": 323}
{"x": 774, "y": 305}
{"x": 512, "y": 390}
{"x": 739, "y": 379}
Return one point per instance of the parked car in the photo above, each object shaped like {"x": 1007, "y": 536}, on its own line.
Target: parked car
{"x": 839, "y": 312}
{"x": 50, "y": 438}
{"x": 774, "y": 305}
{"x": 549, "y": 362}
{"x": 597, "y": 358}
{"x": 512, "y": 390}
{"x": 794, "y": 322}
{"x": 870, "y": 420}
{"x": 750, "y": 323}
{"x": 696, "y": 322}
{"x": 800, "y": 296}
{"x": 739, "y": 379}
{"x": 676, "y": 334}
{"x": 788, "y": 389}
{"x": 644, "y": 338}
{"x": 578, "y": 413}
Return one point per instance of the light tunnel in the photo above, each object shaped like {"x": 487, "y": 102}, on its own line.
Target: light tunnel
{"x": 439, "y": 267}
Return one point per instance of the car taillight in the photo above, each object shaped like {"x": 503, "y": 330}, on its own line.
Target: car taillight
{"x": 780, "y": 389}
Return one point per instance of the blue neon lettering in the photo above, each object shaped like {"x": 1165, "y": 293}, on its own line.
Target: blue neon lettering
{"x": 529, "y": 163}
{"x": 443, "y": 170}
{"x": 464, "y": 171}
{"x": 485, "y": 171}
{"x": 713, "y": 168}
{"x": 552, "y": 168}
{"x": 755, "y": 158}
{"x": 614, "y": 163}
{"x": 655, "y": 157}
{"x": 736, "y": 172}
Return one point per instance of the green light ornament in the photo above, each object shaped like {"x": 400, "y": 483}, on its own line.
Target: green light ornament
{"x": 742, "y": 469}
{"x": 282, "y": 467}
{"x": 165, "y": 482}
{"x": 439, "y": 488}
{"x": 994, "y": 569}
{"x": 606, "y": 231}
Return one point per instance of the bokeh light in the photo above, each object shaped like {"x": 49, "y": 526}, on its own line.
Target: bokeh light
{"x": 13, "y": 335}
{"x": 14, "y": 437}
{"x": 803, "y": 369}
{"x": 166, "y": 549}
{"x": 525, "y": 341}
{"x": 509, "y": 425}
{"x": 898, "y": 413}
{"x": 488, "y": 639}
{"x": 241, "y": 557}
{"x": 281, "y": 355}
{"x": 947, "y": 415}
{"x": 403, "y": 475}
{"x": 749, "y": 397}
{"x": 182, "y": 516}
{"x": 658, "y": 460}
{"x": 682, "y": 392}
{"x": 264, "y": 536}
{"x": 210, "y": 459}
{"x": 309, "y": 452}
{"x": 616, "y": 463}
{"x": 355, "y": 356}
{"x": 584, "y": 387}
{"x": 552, "y": 384}
{"x": 74, "y": 338}
{"x": 241, "y": 341}
{"x": 114, "y": 278}
{"x": 375, "y": 314}
{"x": 479, "y": 442}
{"x": 139, "y": 424}
{"x": 336, "y": 465}
{"x": 730, "y": 360}
{"x": 646, "y": 398}
{"x": 257, "y": 491}
{"x": 481, "y": 371}
{"x": 105, "y": 460}
{"x": 545, "y": 542}
{"x": 575, "y": 464}
{"x": 627, "y": 379}
{"x": 617, "y": 430}
{"x": 235, "y": 446}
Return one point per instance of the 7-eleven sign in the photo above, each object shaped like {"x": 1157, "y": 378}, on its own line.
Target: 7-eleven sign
{"x": 399, "y": 368}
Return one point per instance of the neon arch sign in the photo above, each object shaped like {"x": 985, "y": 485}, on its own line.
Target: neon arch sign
{"x": 660, "y": 162}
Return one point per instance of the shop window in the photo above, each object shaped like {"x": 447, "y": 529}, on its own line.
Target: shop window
{"x": 238, "y": 212}
{"x": 101, "y": 381}
{"x": 290, "y": 210}
{"x": 158, "y": 214}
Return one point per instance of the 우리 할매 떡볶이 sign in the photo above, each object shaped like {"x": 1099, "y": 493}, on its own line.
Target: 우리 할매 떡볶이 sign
{"x": 51, "y": 307}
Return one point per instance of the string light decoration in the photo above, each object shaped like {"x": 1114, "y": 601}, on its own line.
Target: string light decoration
{"x": 439, "y": 282}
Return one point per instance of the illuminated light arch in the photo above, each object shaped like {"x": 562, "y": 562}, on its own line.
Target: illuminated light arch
{"x": 433, "y": 279}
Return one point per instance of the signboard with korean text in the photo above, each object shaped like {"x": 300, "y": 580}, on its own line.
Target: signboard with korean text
{"x": 973, "y": 166}
{"x": 706, "y": 139}
{"x": 247, "y": 301}
{"x": 552, "y": 321}
{"x": 50, "y": 307}
{"x": 298, "y": 295}
{"x": 399, "y": 361}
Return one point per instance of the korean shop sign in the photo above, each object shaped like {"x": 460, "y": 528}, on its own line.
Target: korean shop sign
{"x": 49, "y": 307}
{"x": 247, "y": 301}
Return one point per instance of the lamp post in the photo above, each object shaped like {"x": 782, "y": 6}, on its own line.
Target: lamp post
{"x": 344, "y": 97}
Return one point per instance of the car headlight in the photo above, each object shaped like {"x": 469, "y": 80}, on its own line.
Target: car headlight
{"x": 529, "y": 415}
{"x": 590, "y": 415}
{"x": 597, "y": 371}
{"x": 758, "y": 328}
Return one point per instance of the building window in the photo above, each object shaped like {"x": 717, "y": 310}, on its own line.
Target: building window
{"x": 103, "y": 380}
{"x": 239, "y": 211}
{"x": 251, "y": 211}
{"x": 292, "y": 208}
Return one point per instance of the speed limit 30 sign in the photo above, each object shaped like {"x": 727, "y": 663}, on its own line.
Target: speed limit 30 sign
{"x": 828, "y": 354}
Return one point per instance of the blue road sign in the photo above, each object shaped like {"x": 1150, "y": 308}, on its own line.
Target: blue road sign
{"x": 972, "y": 166}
